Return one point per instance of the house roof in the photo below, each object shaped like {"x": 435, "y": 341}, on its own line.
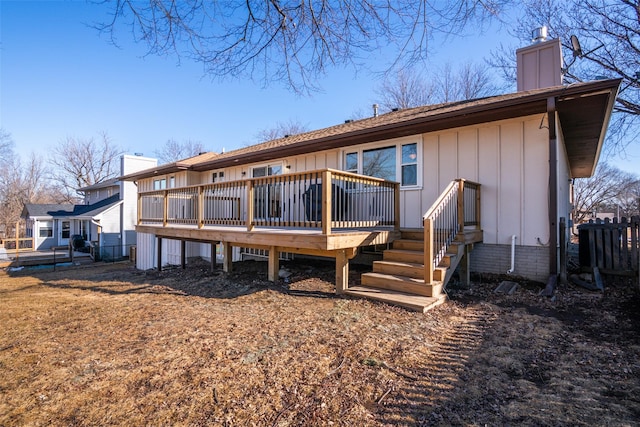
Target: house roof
{"x": 173, "y": 167}
{"x": 68, "y": 210}
{"x": 104, "y": 184}
{"x": 583, "y": 110}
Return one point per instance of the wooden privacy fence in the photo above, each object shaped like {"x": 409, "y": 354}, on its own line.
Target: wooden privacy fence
{"x": 611, "y": 246}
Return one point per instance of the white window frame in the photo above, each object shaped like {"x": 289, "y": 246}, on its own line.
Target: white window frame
{"x": 162, "y": 183}
{"x": 398, "y": 143}
{"x": 218, "y": 175}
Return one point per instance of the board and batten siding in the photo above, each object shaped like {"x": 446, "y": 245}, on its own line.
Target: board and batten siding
{"x": 509, "y": 159}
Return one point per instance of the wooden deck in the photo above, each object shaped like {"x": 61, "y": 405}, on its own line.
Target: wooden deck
{"x": 342, "y": 245}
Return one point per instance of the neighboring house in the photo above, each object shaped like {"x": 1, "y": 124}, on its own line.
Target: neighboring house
{"x": 107, "y": 216}
{"x": 490, "y": 174}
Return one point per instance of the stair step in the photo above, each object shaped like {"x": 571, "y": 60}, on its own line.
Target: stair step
{"x": 409, "y": 269}
{"x": 411, "y": 245}
{"x": 417, "y": 234}
{"x": 403, "y": 255}
{"x": 412, "y": 302}
{"x": 400, "y": 283}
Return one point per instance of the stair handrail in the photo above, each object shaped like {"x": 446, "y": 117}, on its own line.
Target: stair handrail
{"x": 447, "y": 216}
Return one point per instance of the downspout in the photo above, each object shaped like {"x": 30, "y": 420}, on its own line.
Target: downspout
{"x": 513, "y": 255}
{"x": 553, "y": 187}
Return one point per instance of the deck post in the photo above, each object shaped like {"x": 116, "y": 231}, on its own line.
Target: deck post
{"x": 465, "y": 267}
{"x": 228, "y": 257}
{"x": 165, "y": 207}
{"x": 428, "y": 250}
{"x": 200, "y": 218}
{"x": 213, "y": 255}
{"x": 396, "y": 207}
{"x": 326, "y": 202}
{"x": 249, "y": 205}
{"x": 274, "y": 266}
{"x": 159, "y": 257}
{"x": 183, "y": 254}
{"x": 342, "y": 271}
{"x": 461, "y": 205}
{"x": 139, "y": 213}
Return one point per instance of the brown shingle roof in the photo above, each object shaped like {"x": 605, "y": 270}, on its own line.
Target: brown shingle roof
{"x": 417, "y": 120}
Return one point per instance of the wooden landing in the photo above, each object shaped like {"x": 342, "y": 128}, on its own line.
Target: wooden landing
{"x": 410, "y": 301}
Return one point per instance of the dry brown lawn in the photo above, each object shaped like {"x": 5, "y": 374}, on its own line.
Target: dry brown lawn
{"x": 109, "y": 345}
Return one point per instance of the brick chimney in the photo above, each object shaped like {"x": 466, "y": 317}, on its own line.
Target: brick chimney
{"x": 540, "y": 64}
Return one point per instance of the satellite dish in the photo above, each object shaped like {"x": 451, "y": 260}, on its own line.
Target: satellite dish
{"x": 575, "y": 46}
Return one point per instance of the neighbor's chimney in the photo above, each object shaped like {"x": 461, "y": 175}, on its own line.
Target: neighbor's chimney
{"x": 540, "y": 64}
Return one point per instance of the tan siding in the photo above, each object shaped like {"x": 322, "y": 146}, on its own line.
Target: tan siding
{"x": 488, "y": 173}
{"x": 510, "y": 193}
{"x": 536, "y": 184}
{"x": 448, "y": 159}
{"x": 468, "y": 154}
{"x": 431, "y": 184}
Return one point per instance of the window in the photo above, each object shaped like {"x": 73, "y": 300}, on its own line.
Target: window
{"x": 351, "y": 162}
{"x": 46, "y": 229}
{"x": 66, "y": 229}
{"x": 160, "y": 184}
{"x": 267, "y": 197}
{"x": 397, "y": 162}
{"x": 172, "y": 182}
{"x": 217, "y": 176}
{"x": 409, "y": 164}
{"x": 380, "y": 162}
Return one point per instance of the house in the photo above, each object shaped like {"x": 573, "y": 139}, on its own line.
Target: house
{"x": 107, "y": 216}
{"x": 480, "y": 185}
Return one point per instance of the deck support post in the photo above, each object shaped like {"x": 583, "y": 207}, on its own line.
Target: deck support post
{"x": 213, "y": 256}
{"x": 228, "y": 257}
{"x": 342, "y": 271}
{"x": 274, "y": 256}
{"x": 159, "y": 253}
{"x": 465, "y": 267}
{"x": 183, "y": 254}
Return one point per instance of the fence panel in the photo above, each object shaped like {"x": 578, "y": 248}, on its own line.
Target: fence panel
{"x": 611, "y": 246}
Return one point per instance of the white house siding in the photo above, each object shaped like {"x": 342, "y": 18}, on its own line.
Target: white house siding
{"x": 146, "y": 251}
{"x": 110, "y": 232}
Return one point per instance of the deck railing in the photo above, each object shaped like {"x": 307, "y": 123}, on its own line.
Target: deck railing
{"x": 295, "y": 200}
{"x": 457, "y": 207}
{"x": 24, "y": 244}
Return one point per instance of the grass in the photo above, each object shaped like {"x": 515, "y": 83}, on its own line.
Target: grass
{"x": 109, "y": 345}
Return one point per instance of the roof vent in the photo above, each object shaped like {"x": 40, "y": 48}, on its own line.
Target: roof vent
{"x": 138, "y": 154}
{"x": 540, "y": 35}
{"x": 287, "y": 136}
{"x": 395, "y": 109}
{"x": 375, "y": 110}
{"x": 348, "y": 121}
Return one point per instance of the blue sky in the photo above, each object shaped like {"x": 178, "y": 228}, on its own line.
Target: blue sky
{"x": 59, "y": 77}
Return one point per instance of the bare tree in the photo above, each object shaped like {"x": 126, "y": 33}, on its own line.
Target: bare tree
{"x": 411, "y": 89}
{"x": 6, "y": 146}
{"x": 281, "y": 130}
{"x": 628, "y": 201}
{"x": 605, "y": 188}
{"x": 408, "y": 89}
{"x": 22, "y": 183}
{"x": 173, "y": 150}
{"x": 608, "y": 32}
{"x": 292, "y": 42}
{"x": 79, "y": 162}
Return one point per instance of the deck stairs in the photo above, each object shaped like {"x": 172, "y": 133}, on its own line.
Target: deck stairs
{"x": 398, "y": 279}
